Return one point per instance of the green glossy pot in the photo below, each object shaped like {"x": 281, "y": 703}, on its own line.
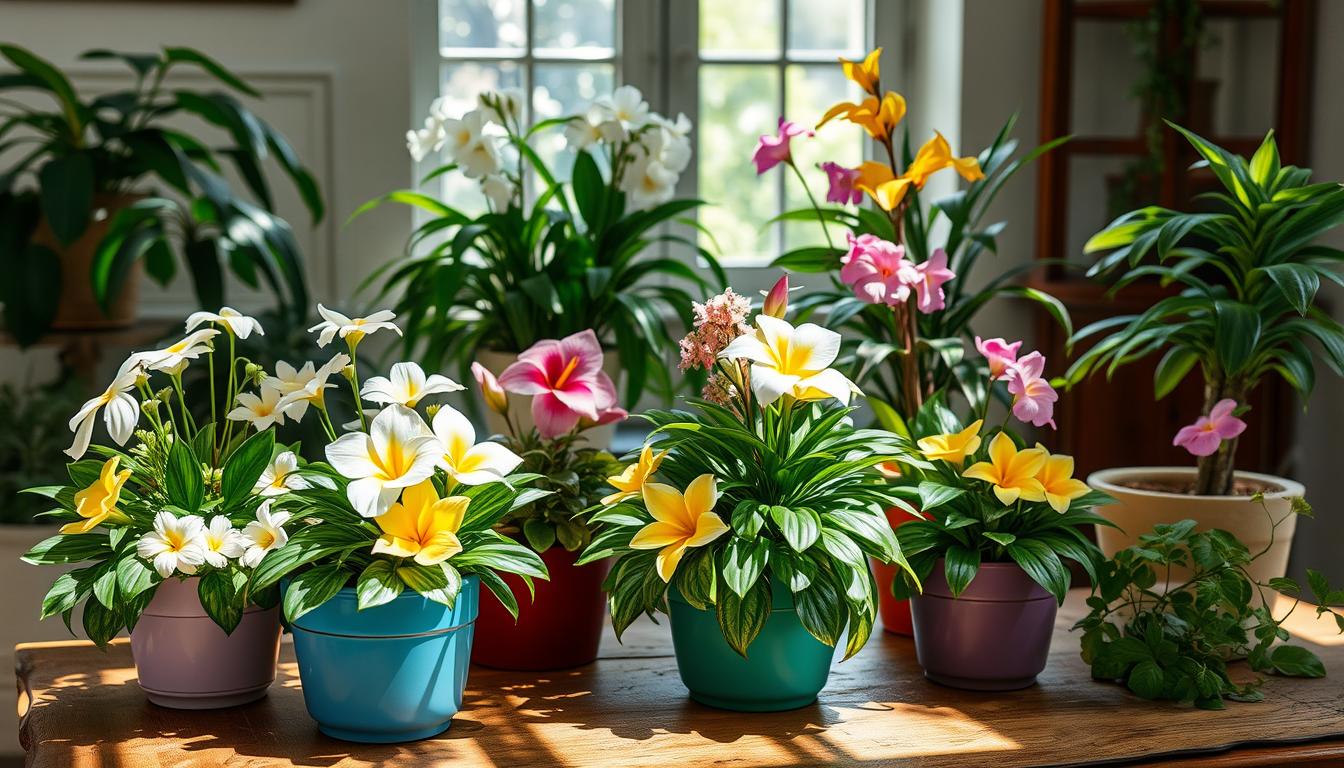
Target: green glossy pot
{"x": 785, "y": 666}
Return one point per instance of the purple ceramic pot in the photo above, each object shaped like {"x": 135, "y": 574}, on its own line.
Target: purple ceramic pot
{"x": 185, "y": 661}
{"x": 994, "y": 637}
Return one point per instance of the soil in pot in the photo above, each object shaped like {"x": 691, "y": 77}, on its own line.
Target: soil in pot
{"x": 1240, "y": 486}
{"x": 559, "y": 628}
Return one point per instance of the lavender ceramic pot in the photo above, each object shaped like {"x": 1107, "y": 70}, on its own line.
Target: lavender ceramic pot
{"x": 994, "y": 637}
{"x": 185, "y": 661}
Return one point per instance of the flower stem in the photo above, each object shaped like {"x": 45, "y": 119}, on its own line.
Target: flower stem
{"x": 214, "y": 414}
{"x": 354, "y": 387}
{"x": 813, "y": 200}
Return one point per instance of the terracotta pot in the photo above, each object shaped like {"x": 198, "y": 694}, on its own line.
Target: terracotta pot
{"x": 895, "y": 613}
{"x": 520, "y": 406}
{"x": 185, "y": 661}
{"x": 1138, "y": 510}
{"x": 78, "y": 309}
{"x": 994, "y": 637}
{"x": 559, "y": 629}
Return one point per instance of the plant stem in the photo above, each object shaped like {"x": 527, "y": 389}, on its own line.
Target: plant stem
{"x": 214, "y": 417}
{"x": 813, "y": 200}
{"x": 1217, "y": 470}
{"x": 354, "y": 387}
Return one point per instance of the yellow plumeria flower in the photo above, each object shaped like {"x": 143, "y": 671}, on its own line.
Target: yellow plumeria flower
{"x": 791, "y": 361}
{"x": 680, "y": 521}
{"x": 632, "y": 479}
{"x": 422, "y": 526}
{"x": 1056, "y": 478}
{"x": 98, "y": 503}
{"x": 878, "y": 117}
{"x": 953, "y": 447}
{"x": 1010, "y": 471}
{"x": 864, "y": 73}
{"x": 888, "y": 190}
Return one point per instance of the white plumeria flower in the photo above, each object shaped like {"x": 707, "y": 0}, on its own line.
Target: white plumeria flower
{"x": 480, "y": 158}
{"x": 352, "y": 329}
{"x": 176, "y": 545}
{"x": 281, "y": 476}
{"x": 420, "y": 143}
{"x": 407, "y": 386}
{"x": 791, "y": 361}
{"x": 627, "y": 106}
{"x": 305, "y": 385}
{"x": 174, "y": 356}
{"x": 498, "y": 190}
{"x": 261, "y": 411}
{"x": 461, "y": 132}
{"x": 120, "y": 410}
{"x": 468, "y": 144}
{"x": 264, "y": 534}
{"x": 239, "y": 325}
{"x": 465, "y": 460}
{"x": 221, "y": 542}
{"x": 398, "y": 452}
{"x": 676, "y": 152}
{"x": 581, "y": 133}
{"x": 649, "y": 182}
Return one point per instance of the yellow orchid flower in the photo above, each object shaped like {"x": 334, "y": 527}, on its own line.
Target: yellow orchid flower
{"x": 888, "y": 190}
{"x": 1010, "y": 471}
{"x": 680, "y": 521}
{"x": 1056, "y": 477}
{"x": 878, "y": 117}
{"x": 864, "y": 73}
{"x": 632, "y": 479}
{"x": 98, "y": 503}
{"x": 953, "y": 447}
{"x": 422, "y": 526}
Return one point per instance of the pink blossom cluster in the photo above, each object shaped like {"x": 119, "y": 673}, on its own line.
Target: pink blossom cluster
{"x": 1033, "y": 397}
{"x": 879, "y": 273}
{"x": 717, "y": 322}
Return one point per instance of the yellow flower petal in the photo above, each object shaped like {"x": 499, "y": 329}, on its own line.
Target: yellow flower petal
{"x": 668, "y": 559}
{"x": 707, "y": 528}
{"x": 440, "y": 547}
{"x": 395, "y": 546}
{"x": 701, "y": 495}
{"x": 657, "y": 535}
{"x": 666, "y": 504}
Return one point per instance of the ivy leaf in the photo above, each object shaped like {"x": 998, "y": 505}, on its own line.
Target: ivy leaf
{"x": 1296, "y": 661}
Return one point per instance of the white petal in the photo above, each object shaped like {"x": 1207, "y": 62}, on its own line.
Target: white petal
{"x": 82, "y": 436}
{"x": 369, "y": 497}
{"x": 821, "y": 346}
{"x": 747, "y": 348}
{"x": 768, "y": 384}
{"x": 493, "y": 457}
{"x": 121, "y": 416}
{"x": 349, "y": 455}
{"x": 830, "y": 381}
{"x": 454, "y": 431}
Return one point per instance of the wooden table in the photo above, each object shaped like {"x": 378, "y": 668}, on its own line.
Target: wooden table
{"x": 81, "y": 707}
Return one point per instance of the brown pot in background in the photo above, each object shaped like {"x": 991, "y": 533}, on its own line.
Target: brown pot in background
{"x": 78, "y": 309}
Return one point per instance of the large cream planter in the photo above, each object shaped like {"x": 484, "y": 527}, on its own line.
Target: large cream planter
{"x": 520, "y": 406}
{"x": 1136, "y": 511}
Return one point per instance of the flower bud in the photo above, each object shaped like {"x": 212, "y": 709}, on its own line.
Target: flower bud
{"x": 255, "y": 373}
{"x": 150, "y": 407}
{"x": 164, "y": 395}
{"x": 348, "y": 373}
{"x": 432, "y": 409}
{"x": 493, "y": 394}
{"x": 777, "y": 300}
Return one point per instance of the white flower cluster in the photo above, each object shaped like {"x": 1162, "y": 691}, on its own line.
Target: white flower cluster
{"x": 650, "y": 150}
{"x": 476, "y": 141}
{"x": 183, "y": 544}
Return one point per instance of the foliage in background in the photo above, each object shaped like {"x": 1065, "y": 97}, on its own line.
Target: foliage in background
{"x": 121, "y": 143}
{"x": 1173, "y": 641}
{"x": 1249, "y": 272}
{"x": 35, "y": 433}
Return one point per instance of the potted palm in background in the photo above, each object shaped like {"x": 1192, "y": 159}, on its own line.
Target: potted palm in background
{"x": 1249, "y": 270}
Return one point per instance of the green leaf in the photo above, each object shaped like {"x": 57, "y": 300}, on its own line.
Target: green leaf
{"x": 193, "y": 56}
{"x": 184, "y": 483}
{"x": 741, "y": 619}
{"x": 67, "y": 195}
{"x": 999, "y": 537}
{"x": 244, "y": 467}
{"x": 821, "y": 609}
{"x": 312, "y": 588}
{"x": 1042, "y": 565}
{"x": 134, "y": 577}
{"x": 68, "y": 548}
{"x": 220, "y": 599}
{"x": 801, "y": 527}
{"x": 1145, "y": 680}
{"x": 1297, "y": 282}
{"x": 105, "y": 586}
{"x": 539, "y": 533}
{"x": 378, "y": 584}
{"x": 1236, "y": 333}
{"x": 431, "y": 581}
{"x": 1265, "y": 162}
{"x": 1172, "y": 369}
{"x": 1296, "y": 661}
{"x": 101, "y": 624}
{"x": 32, "y": 293}
{"x": 960, "y": 566}
{"x": 54, "y": 81}
{"x": 743, "y": 563}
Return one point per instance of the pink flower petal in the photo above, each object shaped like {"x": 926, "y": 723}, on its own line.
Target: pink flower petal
{"x": 552, "y": 417}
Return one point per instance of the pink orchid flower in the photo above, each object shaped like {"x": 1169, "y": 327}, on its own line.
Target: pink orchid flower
{"x": 773, "y": 150}
{"x": 1000, "y": 354}
{"x": 1208, "y": 432}
{"x": 777, "y": 300}
{"x": 1033, "y": 397}
{"x": 877, "y": 270}
{"x": 842, "y": 180}
{"x": 929, "y": 283}
{"x": 564, "y": 379}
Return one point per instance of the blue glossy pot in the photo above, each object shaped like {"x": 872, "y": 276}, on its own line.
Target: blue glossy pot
{"x": 388, "y": 674}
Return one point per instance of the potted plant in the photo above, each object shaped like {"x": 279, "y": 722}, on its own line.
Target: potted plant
{"x": 166, "y": 531}
{"x": 381, "y": 580}
{"x": 905, "y": 302}
{"x": 749, "y": 519}
{"x": 1249, "y": 270}
{"x": 102, "y": 184}
{"x": 1172, "y": 641}
{"x": 573, "y": 257}
{"x": 570, "y": 393}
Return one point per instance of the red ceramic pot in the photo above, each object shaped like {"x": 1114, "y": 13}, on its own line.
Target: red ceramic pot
{"x": 559, "y": 629}
{"x": 895, "y": 613}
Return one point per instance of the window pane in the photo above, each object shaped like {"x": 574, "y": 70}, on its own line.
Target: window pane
{"x": 825, "y": 28}
{"x": 564, "y": 89}
{"x": 574, "y": 29}
{"x": 483, "y": 24}
{"x": 739, "y": 28}
{"x": 737, "y": 104}
{"x": 811, "y": 90}
{"x": 462, "y": 82}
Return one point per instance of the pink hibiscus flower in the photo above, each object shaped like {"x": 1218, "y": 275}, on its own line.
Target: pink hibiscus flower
{"x": 877, "y": 270}
{"x": 565, "y": 381}
{"x": 929, "y": 283}
{"x": 1208, "y": 432}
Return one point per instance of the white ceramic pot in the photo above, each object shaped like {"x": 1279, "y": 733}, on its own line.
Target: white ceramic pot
{"x": 1137, "y": 510}
{"x": 520, "y": 406}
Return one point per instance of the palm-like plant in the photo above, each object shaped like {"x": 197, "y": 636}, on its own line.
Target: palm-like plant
{"x": 1250, "y": 271}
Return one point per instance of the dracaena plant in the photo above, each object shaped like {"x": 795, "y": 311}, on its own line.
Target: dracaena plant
{"x": 576, "y": 256}
{"x": 907, "y": 302}
{"x": 985, "y": 496}
{"x": 71, "y": 153}
{"x": 179, "y": 498}
{"x": 406, "y": 498}
{"x": 764, "y": 485}
{"x": 1249, "y": 269}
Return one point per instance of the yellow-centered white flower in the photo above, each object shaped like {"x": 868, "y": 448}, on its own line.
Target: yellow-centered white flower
{"x": 398, "y": 452}
{"x": 221, "y": 542}
{"x": 465, "y": 460}
{"x": 264, "y": 534}
{"x": 119, "y": 407}
{"x": 407, "y": 386}
{"x": 173, "y": 357}
{"x": 261, "y": 411}
{"x": 305, "y": 385}
{"x": 791, "y": 361}
{"x": 352, "y": 329}
{"x": 176, "y": 545}
{"x": 236, "y": 322}
{"x": 280, "y": 476}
